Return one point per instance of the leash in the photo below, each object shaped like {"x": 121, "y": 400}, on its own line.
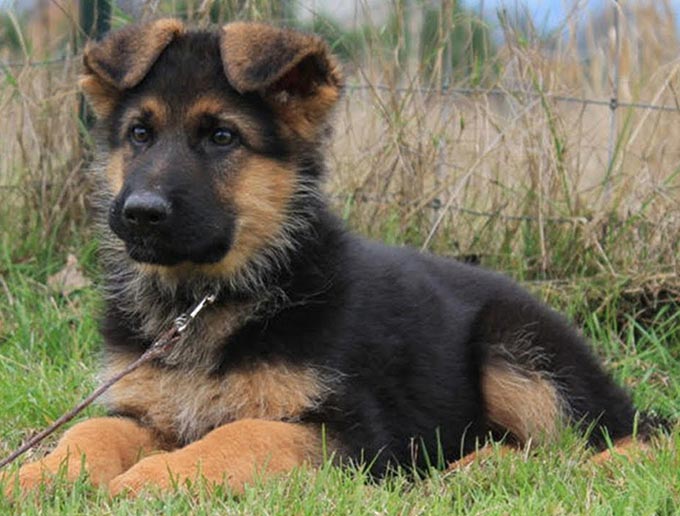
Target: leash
{"x": 161, "y": 346}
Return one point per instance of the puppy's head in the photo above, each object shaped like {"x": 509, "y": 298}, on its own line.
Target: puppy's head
{"x": 208, "y": 137}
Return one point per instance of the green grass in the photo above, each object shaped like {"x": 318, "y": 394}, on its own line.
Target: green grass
{"x": 552, "y": 482}
{"x": 532, "y": 167}
{"x": 48, "y": 350}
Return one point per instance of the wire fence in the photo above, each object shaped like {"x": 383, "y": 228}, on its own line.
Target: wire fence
{"x": 435, "y": 205}
{"x": 613, "y": 103}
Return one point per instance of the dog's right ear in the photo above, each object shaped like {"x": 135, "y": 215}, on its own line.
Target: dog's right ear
{"x": 121, "y": 60}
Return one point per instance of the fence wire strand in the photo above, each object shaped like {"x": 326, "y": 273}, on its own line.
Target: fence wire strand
{"x": 437, "y": 205}
{"x": 35, "y": 64}
{"x": 502, "y": 92}
{"x": 611, "y": 103}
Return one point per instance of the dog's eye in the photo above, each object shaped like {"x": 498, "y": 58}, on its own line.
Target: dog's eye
{"x": 140, "y": 134}
{"x": 223, "y": 137}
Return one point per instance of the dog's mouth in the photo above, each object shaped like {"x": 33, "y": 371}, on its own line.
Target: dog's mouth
{"x": 147, "y": 252}
{"x": 156, "y": 252}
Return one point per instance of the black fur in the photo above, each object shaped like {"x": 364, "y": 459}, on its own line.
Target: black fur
{"x": 406, "y": 334}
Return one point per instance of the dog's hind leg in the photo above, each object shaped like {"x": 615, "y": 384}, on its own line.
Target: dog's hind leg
{"x": 524, "y": 403}
{"x": 106, "y": 447}
{"x": 537, "y": 373}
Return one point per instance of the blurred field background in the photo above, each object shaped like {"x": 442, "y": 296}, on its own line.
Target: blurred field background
{"x": 549, "y": 151}
{"x": 547, "y": 147}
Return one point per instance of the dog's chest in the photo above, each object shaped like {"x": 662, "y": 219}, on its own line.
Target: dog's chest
{"x": 183, "y": 405}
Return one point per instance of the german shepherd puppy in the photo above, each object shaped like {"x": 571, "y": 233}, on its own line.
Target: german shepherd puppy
{"x": 210, "y": 166}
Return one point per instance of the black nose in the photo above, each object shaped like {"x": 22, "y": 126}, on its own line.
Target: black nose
{"x": 145, "y": 210}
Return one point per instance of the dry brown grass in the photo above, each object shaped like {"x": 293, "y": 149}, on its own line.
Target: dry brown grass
{"x": 522, "y": 181}
{"x": 525, "y": 180}
{"x": 41, "y": 157}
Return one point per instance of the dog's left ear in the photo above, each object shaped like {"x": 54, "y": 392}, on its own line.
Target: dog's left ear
{"x": 292, "y": 70}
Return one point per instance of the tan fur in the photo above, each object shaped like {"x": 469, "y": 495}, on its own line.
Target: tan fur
{"x": 261, "y": 193}
{"x": 183, "y": 405}
{"x": 627, "y": 448}
{"x": 522, "y": 402}
{"x": 236, "y": 453}
{"x": 110, "y": 445}
{"x": 115, "y": 171}
{"x": 305, "y": 117}
{"x": 157, "y": 108}
{"x": 102, "y": 96}
{"x": 208, "y": 105}
{"x": 478, "y": 457}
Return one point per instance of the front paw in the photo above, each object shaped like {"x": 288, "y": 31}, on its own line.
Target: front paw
{"x": 153, "y": 472}
{"x": 171, "y": 471}
{"x": 34, "y": 475}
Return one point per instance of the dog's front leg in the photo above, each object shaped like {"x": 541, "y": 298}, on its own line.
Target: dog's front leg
{"x": 106, "y": 447}
{"x": 233, "y": 454}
